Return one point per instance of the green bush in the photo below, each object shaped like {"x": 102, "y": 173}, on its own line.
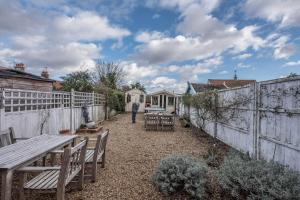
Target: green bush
{"x": 116, "y": 100}
{"x": 176, "y": 173}
{"x": 245, "y": 178}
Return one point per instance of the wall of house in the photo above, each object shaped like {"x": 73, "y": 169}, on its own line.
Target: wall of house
{"x": 25, "y": 84}
{"x": 135, "y": 97}
{"x": 266, "y": 125}
{"x": 26, "y": 111}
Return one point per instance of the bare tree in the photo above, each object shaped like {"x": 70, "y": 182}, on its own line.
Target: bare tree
{"x": 109, "y": 75}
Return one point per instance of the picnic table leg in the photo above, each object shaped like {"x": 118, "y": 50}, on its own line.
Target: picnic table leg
{"x": 6, "y": 186}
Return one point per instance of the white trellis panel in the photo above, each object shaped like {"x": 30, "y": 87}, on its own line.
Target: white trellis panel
{"x": 25, "y": 110}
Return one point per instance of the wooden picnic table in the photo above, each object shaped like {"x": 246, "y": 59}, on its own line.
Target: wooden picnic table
{"x": 25, "y": 153}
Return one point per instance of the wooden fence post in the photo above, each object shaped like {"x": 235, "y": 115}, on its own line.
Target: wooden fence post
{"x": 106, "y": 107}
{"x": 71, "y": 110}
{"x": 257, "y": 120}
{"x": 2, "y": 110}
{"x": 93, "y": 106}
{"x": 216, "y": 119}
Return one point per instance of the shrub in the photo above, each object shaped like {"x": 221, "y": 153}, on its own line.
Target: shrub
{"x": 185, "y": 121}
{"x": 176, "y": 173}
{"x": 213, "y": 157}
{"x": 249, "y": 179}
{"x": 116, "y": 100}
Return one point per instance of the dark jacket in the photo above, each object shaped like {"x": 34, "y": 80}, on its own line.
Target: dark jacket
{"x": 135, "y": 107}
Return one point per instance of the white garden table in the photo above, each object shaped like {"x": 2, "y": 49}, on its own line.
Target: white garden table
{"x": 26, "y": 152}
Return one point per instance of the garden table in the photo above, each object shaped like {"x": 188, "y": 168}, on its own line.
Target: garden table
{"x": 25, "y": 153}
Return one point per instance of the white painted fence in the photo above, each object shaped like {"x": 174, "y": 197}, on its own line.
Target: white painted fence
{"x": 27, "y": 110}
{"x": 268, "y": 126}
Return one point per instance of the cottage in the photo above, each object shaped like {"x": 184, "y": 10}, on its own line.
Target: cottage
{"x": 135, "y": 96}
{"x": 163, "y": 100}
{"x": 17, "y": 78}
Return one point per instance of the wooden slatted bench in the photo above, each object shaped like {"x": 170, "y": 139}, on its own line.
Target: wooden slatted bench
{"x": 26, "y": 152}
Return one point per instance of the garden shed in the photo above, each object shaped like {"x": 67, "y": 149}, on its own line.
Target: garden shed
{"x": 135, "y": 96}
{"x": 163, "y": 99}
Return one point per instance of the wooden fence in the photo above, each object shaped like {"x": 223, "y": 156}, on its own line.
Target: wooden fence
{"x": 267, "y": 126}
{"x": 31, "y": 113}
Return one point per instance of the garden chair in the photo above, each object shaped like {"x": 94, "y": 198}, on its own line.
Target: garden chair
{"x": 151, "y": 122}
{"x": 96, "y": 155}
{"x": 7, "y": 137}
{"x": 167, "y": 122}
{"x": 56, "y": 178}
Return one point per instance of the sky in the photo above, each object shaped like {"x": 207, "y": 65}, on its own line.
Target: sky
{"x": 160, "y": 43}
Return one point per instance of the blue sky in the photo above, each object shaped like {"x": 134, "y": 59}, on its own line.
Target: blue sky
{"x": 161, "y": 43}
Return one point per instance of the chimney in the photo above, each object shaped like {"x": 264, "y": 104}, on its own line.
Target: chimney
{"x": 45, "y": 73}
{"x": 20, "y": 67}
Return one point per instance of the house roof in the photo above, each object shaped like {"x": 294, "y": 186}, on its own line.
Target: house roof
{"x": 12, "y": 73}
{"x": 201, "y": 87}
{"x": 163, "y": 92}
{"x": 230, "y": 83}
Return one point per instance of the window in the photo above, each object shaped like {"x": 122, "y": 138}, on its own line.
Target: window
{"x": 141, "y": 98}
{"x": 128, "y": 98}
{"x": 170, "y": 101}
{"x": 154, "y": 100}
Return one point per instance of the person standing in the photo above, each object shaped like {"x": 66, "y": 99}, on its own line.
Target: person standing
{"x": 135, "y": 109}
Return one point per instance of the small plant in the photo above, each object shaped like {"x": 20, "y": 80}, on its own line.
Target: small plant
{"x": 245, "y": 178}
{"x": 185, "y": 121}
{"x": 213, "y": 157}
{"x": 176, "y": 173}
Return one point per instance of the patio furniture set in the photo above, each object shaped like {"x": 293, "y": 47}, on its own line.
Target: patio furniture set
{"x": 159, "y": 122}
{"x": 77, "y": 162}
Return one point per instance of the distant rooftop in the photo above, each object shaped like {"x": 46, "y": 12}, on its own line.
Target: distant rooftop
{"x": 201, "y": 87}
{"x": 230, "y": 83}
{"x": 20, "y": 73}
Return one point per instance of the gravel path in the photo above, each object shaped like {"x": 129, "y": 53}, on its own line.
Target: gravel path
{"x": 132, "y": 155}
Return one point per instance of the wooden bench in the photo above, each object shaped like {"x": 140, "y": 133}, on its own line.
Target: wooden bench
{"x": 151, "y": 122}
{"x": 7, "y": 137}
{"x": 96, "y": 155}
{"x": 55, "y": 179}
{"x": 167, "y": 122}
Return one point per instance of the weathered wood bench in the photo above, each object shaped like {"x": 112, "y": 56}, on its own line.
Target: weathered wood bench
{"x": 96, "y": 155}
{"x": 26, "y": 152}
{"x": 8, "y": 137}
{"x": 55, "y": 179}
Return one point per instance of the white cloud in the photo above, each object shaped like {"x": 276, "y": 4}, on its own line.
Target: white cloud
{"x": 207, "y": 36}
{"x": 162, "y": 80}
{"x": 293, "y": 63}
{"x": 148, "y": 36}
{"x": 14, "y": 19}
{"x": 282, "y": 48}
{"x": 182, "y": 48}
{"x": 135, "y": 72}
{"x": 243, "y": 56}
{"x": 156, "y": 16}
{"x": 284, "y": 12}
{"x": 207, "y": 5}
{"x": 242, "y": 65}
{"x": 60, "y": 40}
{"x": 223, "y": 72}
{"x": 87, "y": 26}
{"x": 166, "y": 83}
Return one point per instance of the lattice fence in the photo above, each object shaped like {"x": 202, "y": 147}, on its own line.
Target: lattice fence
{"x": 13, "y": 100}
